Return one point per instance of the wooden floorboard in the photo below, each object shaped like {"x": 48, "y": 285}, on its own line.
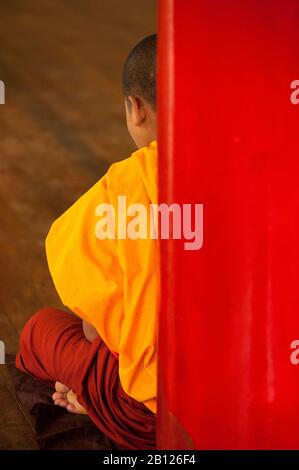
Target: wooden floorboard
{"x": 61, "y": 127}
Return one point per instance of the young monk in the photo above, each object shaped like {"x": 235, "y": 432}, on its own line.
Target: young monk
{"x": 103, "y": 361}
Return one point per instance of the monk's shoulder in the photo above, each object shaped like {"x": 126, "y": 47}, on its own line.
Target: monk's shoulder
{"x": 131, "y": 171}
{"x": 122, "y": 171}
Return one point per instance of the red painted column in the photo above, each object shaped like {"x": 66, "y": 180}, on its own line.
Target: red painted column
{"x": 229, "y": 138}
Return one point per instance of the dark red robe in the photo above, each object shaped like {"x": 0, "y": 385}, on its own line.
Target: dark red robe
{"x": 54, "y": 348}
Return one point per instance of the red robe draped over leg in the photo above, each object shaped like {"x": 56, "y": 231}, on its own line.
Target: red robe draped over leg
{"x": 54, "y": 348}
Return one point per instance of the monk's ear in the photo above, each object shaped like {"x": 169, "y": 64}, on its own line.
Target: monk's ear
{"x": 137, "y": 110}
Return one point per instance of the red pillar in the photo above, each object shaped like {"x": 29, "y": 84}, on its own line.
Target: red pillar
{"x": 228, "y": 138}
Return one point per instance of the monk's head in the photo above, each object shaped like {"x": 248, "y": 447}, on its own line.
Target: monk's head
{"x": 139, "y": 88}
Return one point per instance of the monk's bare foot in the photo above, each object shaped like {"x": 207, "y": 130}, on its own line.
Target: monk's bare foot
{"x": 60, "y": 396}
{"x": 66, "y": 398}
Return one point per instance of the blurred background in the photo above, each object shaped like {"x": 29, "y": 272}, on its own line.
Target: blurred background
{"x": 61, "y": 127}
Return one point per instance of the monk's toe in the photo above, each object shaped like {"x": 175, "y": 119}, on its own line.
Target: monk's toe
{"x": 59, "y": 387}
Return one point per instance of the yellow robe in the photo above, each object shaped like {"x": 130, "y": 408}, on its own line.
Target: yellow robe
{"x": 114, "y": 283}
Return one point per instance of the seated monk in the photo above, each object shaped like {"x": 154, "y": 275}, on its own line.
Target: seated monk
{"x": 102, "y": 360}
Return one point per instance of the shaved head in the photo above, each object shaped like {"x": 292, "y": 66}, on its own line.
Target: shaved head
{"x": 139, "y": 73}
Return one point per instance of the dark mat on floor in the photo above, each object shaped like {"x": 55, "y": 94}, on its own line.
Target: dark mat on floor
{"x": 55, "y": 428}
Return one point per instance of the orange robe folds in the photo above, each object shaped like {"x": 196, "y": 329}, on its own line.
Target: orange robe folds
{"x": 114, "y": 283}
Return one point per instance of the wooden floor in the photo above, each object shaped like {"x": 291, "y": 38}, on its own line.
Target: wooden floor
{"x": 61, "y": 127}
